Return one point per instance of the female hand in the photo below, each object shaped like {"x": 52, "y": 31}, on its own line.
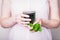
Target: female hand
{"x": 36, "y": 26}
{"x": 23, "y": 19}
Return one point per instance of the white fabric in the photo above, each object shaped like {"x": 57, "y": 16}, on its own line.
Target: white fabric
{"x": 19, "y": 32}
{"x": 0, "y": 7}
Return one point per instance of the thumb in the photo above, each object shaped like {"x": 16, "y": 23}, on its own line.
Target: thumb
{"x": 37, "y": 21}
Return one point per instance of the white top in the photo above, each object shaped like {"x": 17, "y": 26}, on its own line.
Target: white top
{"x": 0, "y": 7}
{"x": 41, "y": 7}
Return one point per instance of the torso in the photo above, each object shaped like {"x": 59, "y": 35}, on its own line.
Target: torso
{"x": 41, "y": 7}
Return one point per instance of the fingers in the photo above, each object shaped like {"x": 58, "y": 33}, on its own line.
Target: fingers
{"x": 24, "y": 23}
{"x": 25, "y": 19}
{"x": 24, "y": 15}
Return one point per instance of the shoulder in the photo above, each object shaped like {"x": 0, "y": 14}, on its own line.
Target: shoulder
{"x": 53, "y": 0}
{"x": 6, "y": 1}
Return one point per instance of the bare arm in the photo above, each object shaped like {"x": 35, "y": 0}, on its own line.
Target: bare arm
{"x": 6, "y": 19}
{"x": 53, "y": 21}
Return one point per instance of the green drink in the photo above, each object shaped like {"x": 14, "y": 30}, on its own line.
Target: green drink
{"x": 31, "y": 14}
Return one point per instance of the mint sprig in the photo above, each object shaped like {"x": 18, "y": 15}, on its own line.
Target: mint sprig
{"x": 30, "y": 24}
{"x": 36, "y": 27}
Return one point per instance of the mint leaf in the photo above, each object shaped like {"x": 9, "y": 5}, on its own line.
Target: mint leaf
{"x": 40, "y": 29}
{"x": 30, "y": 24}
{"x": 36, "y": 27}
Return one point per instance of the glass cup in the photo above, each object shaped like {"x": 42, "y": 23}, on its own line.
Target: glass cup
{"x": 31, "y": 14}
